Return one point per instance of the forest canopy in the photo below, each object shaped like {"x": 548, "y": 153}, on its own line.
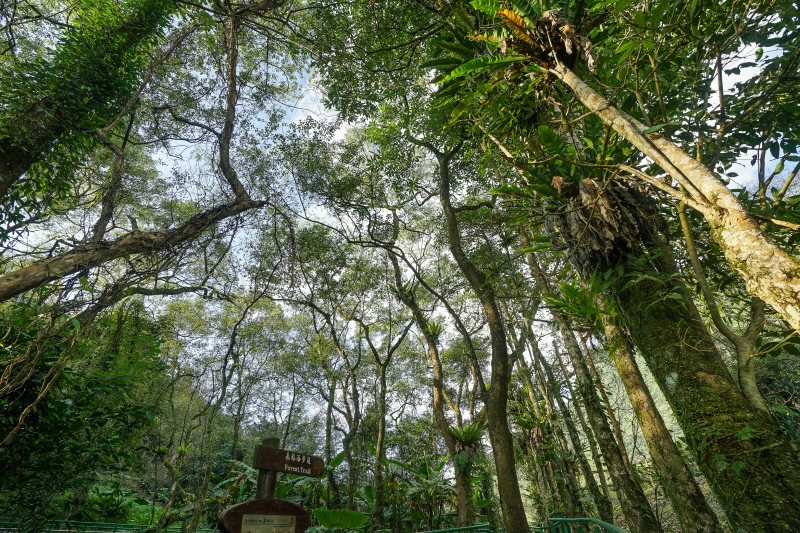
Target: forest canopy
{"x": 494, "y": 261}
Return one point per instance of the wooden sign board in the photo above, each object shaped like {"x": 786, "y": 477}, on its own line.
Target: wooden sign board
{"x": 268, "y": 458}
{"x": 266, "y": 515}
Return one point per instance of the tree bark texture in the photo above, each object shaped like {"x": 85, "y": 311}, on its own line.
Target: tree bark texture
{"x": 768, "y": 271}
{"x": 93, "y": 254}
{"x": 751, "y": 466}
{"x": 497, "y": 406}
{"x": 688, "y": 502}
{"x": 638, "y": 513}
{"x": 462, "y": 476}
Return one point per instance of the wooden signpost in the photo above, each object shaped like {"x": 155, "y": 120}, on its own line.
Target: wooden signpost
{"x": 275, "y": 459}
{"x": 265, "y": 514}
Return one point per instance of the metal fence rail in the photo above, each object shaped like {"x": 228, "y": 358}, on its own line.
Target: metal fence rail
{"x": 78, "y": 526}
{"x": 578, "y": 525}
{"x": 477, "y": 528}
{"x": 556, "y": 525}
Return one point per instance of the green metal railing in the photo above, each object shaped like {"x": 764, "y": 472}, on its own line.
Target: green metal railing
{"x": 77, "y": 526}
{"x": 578, "y": 525}
{"x": 556, "y": 525}
{"x": 477, "y": 528}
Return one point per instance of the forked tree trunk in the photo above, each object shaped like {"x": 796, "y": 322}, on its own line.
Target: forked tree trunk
{"x": 744, "y": 343}
{"x": 502, "y": 441}
{"x": 462, "y": 475}
{"x": 768, "y": 271}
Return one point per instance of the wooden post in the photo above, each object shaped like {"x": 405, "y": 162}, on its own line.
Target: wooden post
{"x": 265, "y": 486}
{"x": 265, "y": 514}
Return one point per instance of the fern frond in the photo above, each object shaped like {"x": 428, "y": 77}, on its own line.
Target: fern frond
{"x": 481, "y": 64}
{"x": 515, "y": 23}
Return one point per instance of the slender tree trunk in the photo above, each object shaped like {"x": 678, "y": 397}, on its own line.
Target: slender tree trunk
{"x": 378, "y": 517}
{"x": 638, "y": 513}
{"x": 541, "y": 448}
{"x": 568, "y": 481}
{"x": 538, "y": 482}
{"x": 332, "y": 484}
{"x": 201, "y": 498}
{"x": 352, "y": 472}
{"x": 462, "y": 475}
{"x": 496, "y": 407}
{"x": 688, "y": 502}
{"x": 587, "y": 430}
{"x": 744, "y": 344}
{"x": 603, "y": 505}
{"x": 768, "y": 271}
{"x": 623, "y": 450}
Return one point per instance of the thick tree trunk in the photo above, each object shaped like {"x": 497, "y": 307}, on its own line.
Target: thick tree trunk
{"x": 751, "y": 466}
{"x": 638, "y": 513}
{"x": 688, "y": 502}
{"x": 768, "y": 271}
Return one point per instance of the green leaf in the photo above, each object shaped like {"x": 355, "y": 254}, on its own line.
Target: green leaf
{"x": 490, "y": 7}
{"x": 536, "y": 248}
{"x": 336, "y": 461}
{"x": 442, "y": 62}
{"x": 653, "y": 129}
{"x": 340, "y": 518}
{"x": 457, "y": 49}
{"x": 551, "y": 140}
{"x": 526, "y": 10}
{"x": 481, "y": 64}
{"x": 791, "y": 349}
{"x": 76, "y": 324}
{"x": 738, "y": 466}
